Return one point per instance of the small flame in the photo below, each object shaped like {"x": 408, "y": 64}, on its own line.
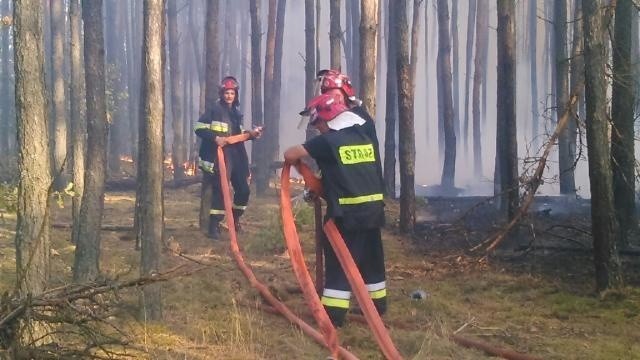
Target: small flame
{"x": 126, "y": 158}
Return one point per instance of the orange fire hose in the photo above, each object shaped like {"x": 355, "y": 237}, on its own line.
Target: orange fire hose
{"x": 248, "y": 273}
{"x": 344, "y": 257}
{"x": 300, "y": 267}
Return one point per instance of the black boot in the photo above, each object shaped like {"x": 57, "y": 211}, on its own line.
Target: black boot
{"x": 236, "y": 219}
{"x": 214, "y": 230}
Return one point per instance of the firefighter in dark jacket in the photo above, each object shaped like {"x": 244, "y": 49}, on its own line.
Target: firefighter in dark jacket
{"x": 350, "y": 165}
{"x": 224, "y": 119}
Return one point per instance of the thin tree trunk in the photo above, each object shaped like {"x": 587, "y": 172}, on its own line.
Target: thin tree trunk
{"x": 334, "y": 34}
{"x": 78, "y": 111}
{"x": 317, "y": 35}
{"x": 277, "y": 75}
{"x": 256, "y": 70}
{"x": 445, "y": 96}
{"x": 212, "y": 78}
{"x": 212, "y": 50}
{"x": 482, "y": 42}
{"x": 427, "y": 63}
{"x": 310, "y": 61}
{"x": 506, "y": 135}
{"x": 368, "y": 44}
{"x": 177, "y": 150}
{"x": 407, "y": 147}
{"x": 33, "y": 224}
{"x": 132, "y": 79}
{"x": 150, "y": 212}
{"x": 603, "y": 217}
{"x": 348, "y": 38}
{"x": 622, "y": 133}
{"x": 58, "y": 91}
{"x": 7, "y": 119}
{"x": 415, "y": 38}
{"x": 566, "y": 160}
{"x": 87, "y": 255}
{"x": 471, "y": 31}
{"x": 577, "y": 76}
{"x": 391, "y": 110}
{"x": 533, "y": 69}
{"x": 264, "y": 146}
{"x": 455, "y": 44}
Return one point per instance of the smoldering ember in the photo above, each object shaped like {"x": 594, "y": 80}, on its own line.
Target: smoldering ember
{"x": 340, "y": 179}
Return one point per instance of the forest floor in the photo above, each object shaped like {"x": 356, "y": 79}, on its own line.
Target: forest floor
{"x": 540, "y": 302}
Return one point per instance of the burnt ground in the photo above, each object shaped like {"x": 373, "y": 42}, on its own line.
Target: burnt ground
{"x": 553, "y": 239}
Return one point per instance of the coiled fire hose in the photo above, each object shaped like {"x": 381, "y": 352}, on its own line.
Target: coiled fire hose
{"x": 344, "y": 257}
{"x": 331, "y": 343}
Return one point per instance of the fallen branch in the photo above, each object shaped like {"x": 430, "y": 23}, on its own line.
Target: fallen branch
{"x": 491, "y": 350}
{"x": 79, "y": 306}
{"x": 536, "y": 180}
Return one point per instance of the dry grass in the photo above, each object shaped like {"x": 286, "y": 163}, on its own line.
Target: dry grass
{"x": 213, "y": 314}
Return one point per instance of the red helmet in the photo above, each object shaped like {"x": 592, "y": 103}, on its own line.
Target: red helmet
{"x": 229, "y": 83}
{"x": 333, "y": 79}
{"x": 323, "y": 107}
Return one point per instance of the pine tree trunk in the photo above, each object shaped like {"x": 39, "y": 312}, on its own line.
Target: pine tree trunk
{"x": 391, "y": 109}
{"x": 622, "y": 133}
{"x": 334, "y": 34}
{"x": 603, "y": 217}
{"x": 368, "y": 44}
{"x": 577, "y": 77}
{"x": 317, "y": 35}
{"x": 212, "y": 51}
{"x": 177, "y": 150}
{"x": 479, "y": 75}
{"x": 277, "y": 76}
{"x": 406, "y": 132}
{"x": 132, "y": 79}
{"x": 212, "y": 78}
{"x": 150, "y": 212}
{"x": 7, "y": 131}
{"x": 58, "y": 91}
{"x": 78, "y": 111}
{"x": 265, "y": 146}
{"x": 310, "y": 61}
{"x": 533, "y": 69}
{"x": 506, "y": 134}
{"x": 415, "y": 38}
{"x": 32, "y": 229}
{"x": 471, "y": 22}
{"x": 445, "y": 96}
{"x": 87, "y": 256}
{"x": 256, "y": 73}
{"x": 455, "y": 45}
{"x": 427, "y": 63}
{"x": 566, "y": 168}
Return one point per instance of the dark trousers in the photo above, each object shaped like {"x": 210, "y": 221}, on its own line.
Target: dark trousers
{"x": 365, "y": 247}
{"x": 238, "y": 175}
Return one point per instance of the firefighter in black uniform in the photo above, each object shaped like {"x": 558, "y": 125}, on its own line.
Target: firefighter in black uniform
{"x": 349, "y": 161}
{"x": 213, "y": 127}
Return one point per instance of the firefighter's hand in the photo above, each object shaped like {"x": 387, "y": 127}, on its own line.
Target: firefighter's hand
{"x": 221, "y": 141}
{"x": 256, "y": 133}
